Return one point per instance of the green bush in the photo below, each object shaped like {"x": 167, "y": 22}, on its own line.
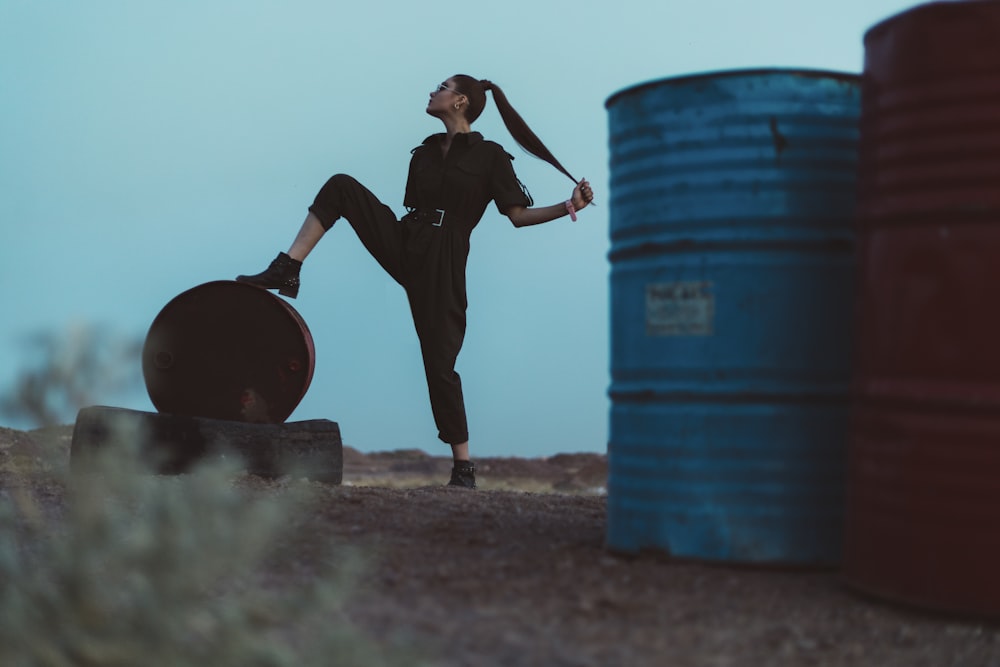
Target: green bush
{"x": 64, "y": 370}
{"x": 135, "y": 570}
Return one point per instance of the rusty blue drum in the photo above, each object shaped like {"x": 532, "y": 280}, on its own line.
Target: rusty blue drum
{"x": 732, "y": 277}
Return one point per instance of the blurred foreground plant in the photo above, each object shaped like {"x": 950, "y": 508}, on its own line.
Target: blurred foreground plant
{"x": 71, "y": 369}
{"x": 137, "y": 570}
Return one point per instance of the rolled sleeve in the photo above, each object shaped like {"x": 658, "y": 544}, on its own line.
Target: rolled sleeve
{"x": 506, "y": 189}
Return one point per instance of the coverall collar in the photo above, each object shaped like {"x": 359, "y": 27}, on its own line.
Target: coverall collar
{"x": 471, "y": 138}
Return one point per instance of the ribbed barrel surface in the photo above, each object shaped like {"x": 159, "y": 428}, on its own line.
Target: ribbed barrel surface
{"x": 732, "y": 198}
{"x": 924, "y": 483}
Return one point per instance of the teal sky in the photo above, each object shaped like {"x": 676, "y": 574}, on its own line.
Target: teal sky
{"x": 149, "y": 147}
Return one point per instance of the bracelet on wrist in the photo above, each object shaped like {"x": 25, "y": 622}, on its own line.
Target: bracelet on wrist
{"x": 571, "y": 209}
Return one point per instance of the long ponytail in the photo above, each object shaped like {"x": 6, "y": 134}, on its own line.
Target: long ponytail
{"x": 525, "y": 137}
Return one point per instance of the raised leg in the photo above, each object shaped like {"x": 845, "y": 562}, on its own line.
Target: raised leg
{"x": 309, "y": 235}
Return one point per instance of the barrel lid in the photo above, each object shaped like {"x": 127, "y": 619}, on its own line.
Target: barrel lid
{"x": 934, "y": 41}
{"x": 929, "y": 14}
{"x": 228, "y": 350}
{"x": 720, "y": 74}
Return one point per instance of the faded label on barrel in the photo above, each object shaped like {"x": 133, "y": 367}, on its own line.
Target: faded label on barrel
{"x": 680, "y": 309}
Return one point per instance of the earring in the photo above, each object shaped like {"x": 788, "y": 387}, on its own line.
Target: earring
{"x": 458, "y": 106}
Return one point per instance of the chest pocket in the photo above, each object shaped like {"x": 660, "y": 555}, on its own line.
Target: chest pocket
{"x": 473, "y": 165}
{"x": 471, "y": 174}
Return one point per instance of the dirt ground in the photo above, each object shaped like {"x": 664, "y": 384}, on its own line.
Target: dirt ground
{"x": 516, "y": 573}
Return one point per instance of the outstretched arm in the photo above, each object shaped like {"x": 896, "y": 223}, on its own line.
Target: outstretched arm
{"x": 523, "y": 216}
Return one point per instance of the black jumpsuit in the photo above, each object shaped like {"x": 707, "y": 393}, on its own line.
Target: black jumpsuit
{"x": 426, "y": 251}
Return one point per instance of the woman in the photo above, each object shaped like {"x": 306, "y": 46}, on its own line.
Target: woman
{"x": 453, "y": 176}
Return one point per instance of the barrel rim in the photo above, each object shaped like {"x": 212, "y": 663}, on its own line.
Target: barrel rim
{"x": 727, "y": 73}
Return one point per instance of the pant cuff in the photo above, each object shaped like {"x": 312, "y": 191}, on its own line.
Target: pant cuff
{"x": 454, "y": 440}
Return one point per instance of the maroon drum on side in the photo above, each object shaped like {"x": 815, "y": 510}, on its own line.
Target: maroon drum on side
{"x": 227, "y": 350}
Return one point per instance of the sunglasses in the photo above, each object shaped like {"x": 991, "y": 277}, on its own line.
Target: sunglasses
{"x": 441, "y": 87}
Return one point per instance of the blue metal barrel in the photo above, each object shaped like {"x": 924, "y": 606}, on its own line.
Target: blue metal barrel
{"x": 732, "y": 273}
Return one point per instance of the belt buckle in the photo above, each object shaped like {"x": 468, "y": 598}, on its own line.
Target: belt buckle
{"x": 440, "y": 219}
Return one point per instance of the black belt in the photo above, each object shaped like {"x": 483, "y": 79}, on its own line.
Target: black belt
{"x": 431, "y": 216}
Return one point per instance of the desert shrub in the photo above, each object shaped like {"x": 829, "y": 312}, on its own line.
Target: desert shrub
{"x": 135, "y": 570}
{"x": 65, "y": 370}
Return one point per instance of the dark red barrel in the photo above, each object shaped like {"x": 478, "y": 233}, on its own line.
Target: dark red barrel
{"x": 227, "y": 350}
{"x": 923, "y": 521}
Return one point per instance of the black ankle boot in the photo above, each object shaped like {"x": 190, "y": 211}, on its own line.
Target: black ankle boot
{"x": 463, "y": 473}
{"x": 282, "y": 275}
